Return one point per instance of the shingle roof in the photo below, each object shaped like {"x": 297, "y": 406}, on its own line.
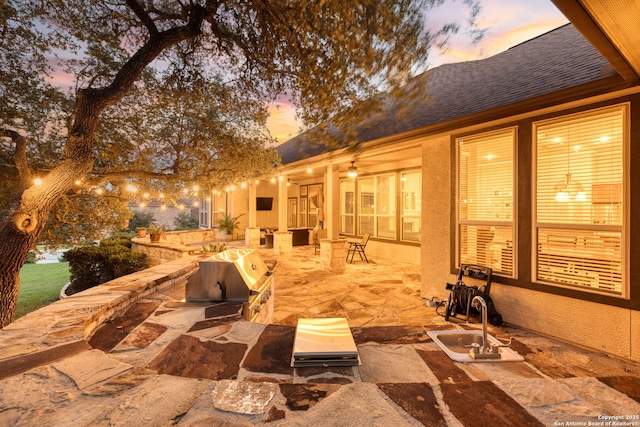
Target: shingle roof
{"x": 559, "y": 59}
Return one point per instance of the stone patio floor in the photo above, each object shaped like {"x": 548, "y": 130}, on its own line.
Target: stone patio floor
{"x": 165, "y": 362}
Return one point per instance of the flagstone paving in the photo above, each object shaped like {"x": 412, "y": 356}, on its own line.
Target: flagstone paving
{"x": 159, "y": 361}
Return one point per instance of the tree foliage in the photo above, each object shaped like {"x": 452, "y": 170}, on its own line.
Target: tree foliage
{"x": 165, "y": 91}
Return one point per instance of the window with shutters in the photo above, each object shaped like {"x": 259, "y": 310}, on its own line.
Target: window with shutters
{"x": 579, "y": 200}
{"x": 485, "y": 200}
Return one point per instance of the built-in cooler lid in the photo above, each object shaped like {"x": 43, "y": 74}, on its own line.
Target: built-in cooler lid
{"x": 324, "y": 342}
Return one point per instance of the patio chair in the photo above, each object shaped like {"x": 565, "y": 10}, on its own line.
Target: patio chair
{"x": 317, "y": 235}
{"x": 358, "y": 247}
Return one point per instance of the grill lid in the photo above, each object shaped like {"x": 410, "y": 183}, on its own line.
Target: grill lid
{"x": 231, "y": 275}
{"x": 247, "y": 263}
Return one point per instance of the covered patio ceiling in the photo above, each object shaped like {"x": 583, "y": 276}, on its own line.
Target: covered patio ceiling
{"x": 367, "y": 161}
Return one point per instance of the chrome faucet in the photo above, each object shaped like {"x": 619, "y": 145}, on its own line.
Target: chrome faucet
{"x": 488, "y": 350}
{"x": 476, "y": 302}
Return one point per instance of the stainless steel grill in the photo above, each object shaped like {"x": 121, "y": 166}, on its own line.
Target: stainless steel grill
{"x": 236, "y": 275}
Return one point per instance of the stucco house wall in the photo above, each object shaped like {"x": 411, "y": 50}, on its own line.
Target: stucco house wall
{"x": 611, "y": 325}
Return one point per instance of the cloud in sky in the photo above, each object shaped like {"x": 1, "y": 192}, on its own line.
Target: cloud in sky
{"x": 282, "y": 121}
{"x": 507, "y": 23}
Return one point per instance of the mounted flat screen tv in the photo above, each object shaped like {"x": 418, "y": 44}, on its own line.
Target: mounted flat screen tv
{"x": 264, "y": 203}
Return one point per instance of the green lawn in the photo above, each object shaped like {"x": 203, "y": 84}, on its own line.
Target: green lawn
{"x": 40, "y": 284}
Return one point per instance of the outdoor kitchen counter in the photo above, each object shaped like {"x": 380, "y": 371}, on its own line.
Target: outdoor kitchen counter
{"x": 163, "y": 361}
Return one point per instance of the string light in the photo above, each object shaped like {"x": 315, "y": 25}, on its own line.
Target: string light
{"x": 190, "y": 191}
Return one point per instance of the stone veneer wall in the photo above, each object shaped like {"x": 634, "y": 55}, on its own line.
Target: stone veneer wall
{"x": 69, "y": 322}
{"x": 333, "y": 255}
{"x": 174, "y": 245}
{"x": 189, "y": 237}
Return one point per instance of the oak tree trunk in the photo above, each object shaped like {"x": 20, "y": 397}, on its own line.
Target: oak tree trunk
{"x": 24, "y": 219}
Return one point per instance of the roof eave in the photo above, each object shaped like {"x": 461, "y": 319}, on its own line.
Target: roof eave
{"x": 587, "y": 25}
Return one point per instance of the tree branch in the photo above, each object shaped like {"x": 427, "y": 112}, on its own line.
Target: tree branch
{"x": 91, "y": 101}
{"x": 144, "y": 16}
{"x": 20, "y": 155}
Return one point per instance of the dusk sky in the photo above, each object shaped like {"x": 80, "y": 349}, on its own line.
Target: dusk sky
{"x": 507, "y": 23}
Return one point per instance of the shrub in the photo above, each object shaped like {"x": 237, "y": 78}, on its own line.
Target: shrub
{"x": 93, "y": 265}
{"x": 214, "y": 248}
{"x": 123, "y": 239}
{"x": 141, "y": 219}
{"x": 186, "y": 221}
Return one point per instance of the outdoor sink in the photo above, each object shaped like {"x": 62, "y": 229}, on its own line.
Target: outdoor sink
{"x": 453, "y": 342}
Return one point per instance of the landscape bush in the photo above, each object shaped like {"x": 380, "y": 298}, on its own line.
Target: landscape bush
{"x": 186, "y": 221}
{"x": 122, "y": 238}
{"x": 92, "y": 265}
{"x": 141, "y": 219}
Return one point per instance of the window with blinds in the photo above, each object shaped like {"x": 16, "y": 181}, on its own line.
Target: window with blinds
{"x": 485, "y": 200}
{"x": 579, "y": 203}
